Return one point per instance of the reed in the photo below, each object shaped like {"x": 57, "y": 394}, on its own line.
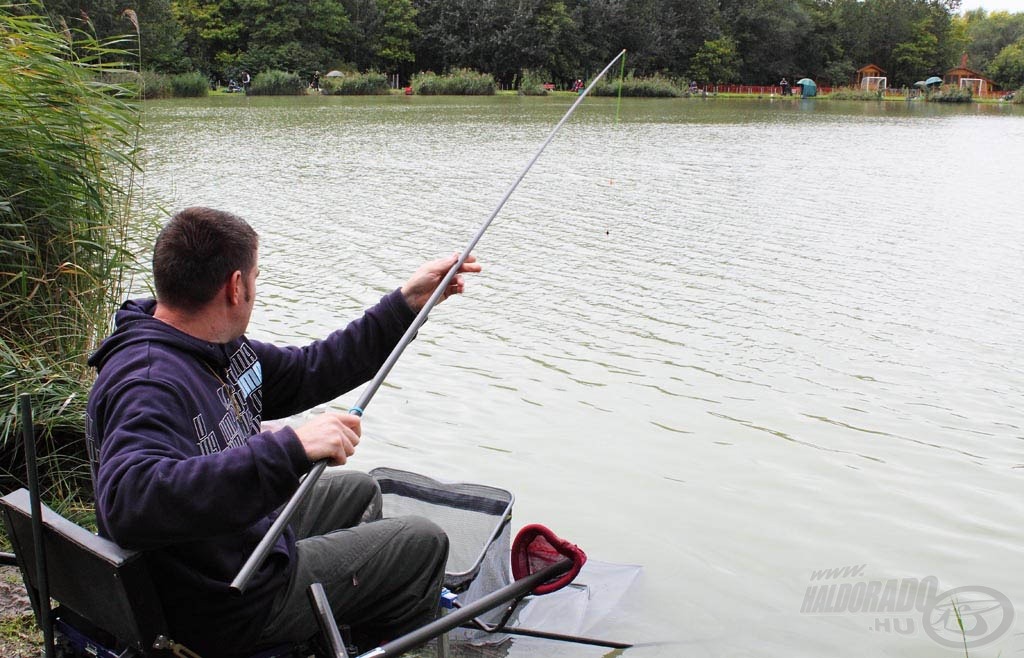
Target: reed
{"x": 462, "y": 82}
{"x": 950, "y": 95}
{"x": 532, "y": 83}
{"x": 189, "y": 85}
{"x": 356, "y": 84}
{"x": 277, "y": 83}
{"x": 854, "y": 94}
{"x": 69, "y": 129}
{"x": 656, "y": 86}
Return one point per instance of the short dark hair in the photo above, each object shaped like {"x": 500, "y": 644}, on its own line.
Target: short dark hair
{"x": 195, "y": 253}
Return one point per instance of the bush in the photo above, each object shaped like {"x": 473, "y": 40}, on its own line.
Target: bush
{"x": 462, "y": 82}
{"x": 277, "y": 83}
{"x": 951, "y": 95}
{"x": 1018, "y": 96}
{"x": 854, "y": 94}
{"x": 189, "y": 85}
{"x": 359, "y": 84}
{"x": 155, "y": 85}
{"x": 657, "y": 86}
{"x": 532, "y": 83}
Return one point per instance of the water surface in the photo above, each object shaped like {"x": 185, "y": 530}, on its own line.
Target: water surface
{"x": 735, "y": 342}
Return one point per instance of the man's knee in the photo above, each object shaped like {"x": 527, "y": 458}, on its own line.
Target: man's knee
{"x": 426, "y": 540}
{"x": 359, "y": 488}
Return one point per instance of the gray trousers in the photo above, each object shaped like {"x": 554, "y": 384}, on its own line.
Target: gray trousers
{"x": 382, "y": 576}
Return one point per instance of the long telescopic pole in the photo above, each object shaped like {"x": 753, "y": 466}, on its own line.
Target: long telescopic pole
{"x": 263, "y": 548}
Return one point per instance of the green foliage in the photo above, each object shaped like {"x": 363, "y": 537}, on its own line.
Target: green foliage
{"x": 739, "y": 41}
{"x": 1018, "y": 96}
{"x": 949, "y": 94}
{"x": 69, "y": 129}
{"x": 532, "y": 83}
{"x": 462, "y": 82}
{"x": 854, "y": 94}
{"x": 154, "y": 85}
{"x": 717, "y": 62}
{"x": 189, "y": 85}
{"x": 1007, "y": 68}
{"x": 986, "y": 34}
{"x": 655, "y": 86}
{"x": 364, "y": 84}
{"x": 277, "y": 83}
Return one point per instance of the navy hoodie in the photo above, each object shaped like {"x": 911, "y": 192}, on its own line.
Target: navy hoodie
{"x": 183, "y": 471}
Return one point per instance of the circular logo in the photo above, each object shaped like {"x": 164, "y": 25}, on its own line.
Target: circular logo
{"x": 968, "y": 617}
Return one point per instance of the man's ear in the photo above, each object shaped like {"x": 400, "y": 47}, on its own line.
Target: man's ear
{"x": 234, "y": 285}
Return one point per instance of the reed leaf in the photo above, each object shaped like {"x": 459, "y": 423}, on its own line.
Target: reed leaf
{"x": 69, "y": 126}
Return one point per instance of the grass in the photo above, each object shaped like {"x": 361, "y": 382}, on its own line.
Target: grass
{"x": 69, "y": 126}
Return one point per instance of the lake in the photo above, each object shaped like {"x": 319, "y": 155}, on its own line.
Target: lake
{"x": 736, "y": 342}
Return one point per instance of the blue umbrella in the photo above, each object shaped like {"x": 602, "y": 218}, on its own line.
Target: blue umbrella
{"x": 934, "y": 80}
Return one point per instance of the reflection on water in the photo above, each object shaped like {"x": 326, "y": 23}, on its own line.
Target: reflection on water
{"x": 734, "y": 342}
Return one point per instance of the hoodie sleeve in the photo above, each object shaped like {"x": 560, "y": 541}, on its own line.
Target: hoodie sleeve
{"x": 297, "y": 378}
{"x": 155, "y": 487}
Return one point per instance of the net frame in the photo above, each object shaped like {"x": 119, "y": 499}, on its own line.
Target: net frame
{"x": 881, "y": 83}
{"x": 477, "y": 519}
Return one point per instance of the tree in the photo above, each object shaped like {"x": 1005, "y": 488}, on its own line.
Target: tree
{"x": 717, "y": 61}
{"x": 159, "y": 32}
{"x": 766, "y": 32}
{"x": 393, "y": 45}
{"x": 1007, "y": 68}
{"x": 293, "y": 36}
{"x": 915, "y": 59}
{"x": 987, "y": 34}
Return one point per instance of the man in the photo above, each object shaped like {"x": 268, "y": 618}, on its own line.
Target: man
{"x": 184, "y": 472}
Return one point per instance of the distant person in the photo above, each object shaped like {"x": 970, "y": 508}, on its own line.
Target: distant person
{"x": 577, "y": 86}
{"x": 784, "y": 85}
{"x": 246, "y": 81}
{"x": 314, "y": 84}
{"x": 693, "y": 86}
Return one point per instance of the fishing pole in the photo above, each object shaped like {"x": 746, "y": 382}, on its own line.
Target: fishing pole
{"x": 262, "y": 549}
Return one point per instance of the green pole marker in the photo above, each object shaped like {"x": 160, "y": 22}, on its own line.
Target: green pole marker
{"x": 622, "y": 77}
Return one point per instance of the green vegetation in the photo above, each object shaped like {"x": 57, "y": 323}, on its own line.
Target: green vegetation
{"x": 854, "y": 94}
{"x": 277, "y": 83}
{"x": 751, "y": 42}
{"x": 458, "y": 83}
{"x": 532, "y": 83}
{"x": 189, "y": 85}
{"x": 950, "y": 95}
{"x": 358, "y": 84}
{"x": 655, "y": 86}
{"x": 66, "y": 182}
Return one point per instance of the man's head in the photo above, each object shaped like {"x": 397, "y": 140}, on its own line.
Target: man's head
{"x": 198, "y": 252}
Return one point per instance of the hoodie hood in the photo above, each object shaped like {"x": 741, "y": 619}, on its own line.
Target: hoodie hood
{"x": 134, "y": 323}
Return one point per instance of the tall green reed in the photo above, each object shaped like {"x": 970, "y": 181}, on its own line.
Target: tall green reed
{"x": 68, "y": 159}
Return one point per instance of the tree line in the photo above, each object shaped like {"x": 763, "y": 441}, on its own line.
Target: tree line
{"x": 712, "y": 41}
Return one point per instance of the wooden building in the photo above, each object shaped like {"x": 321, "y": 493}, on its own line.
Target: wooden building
{"x": 869, "y": 71}
{"x": 975, "y": 79}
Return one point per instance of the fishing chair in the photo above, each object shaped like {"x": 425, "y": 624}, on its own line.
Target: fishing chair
{"x": 107, "y": 601}
{"x": 107, "y": 606}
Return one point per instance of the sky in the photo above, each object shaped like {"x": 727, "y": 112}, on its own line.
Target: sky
{"x": 993, "y": 5}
